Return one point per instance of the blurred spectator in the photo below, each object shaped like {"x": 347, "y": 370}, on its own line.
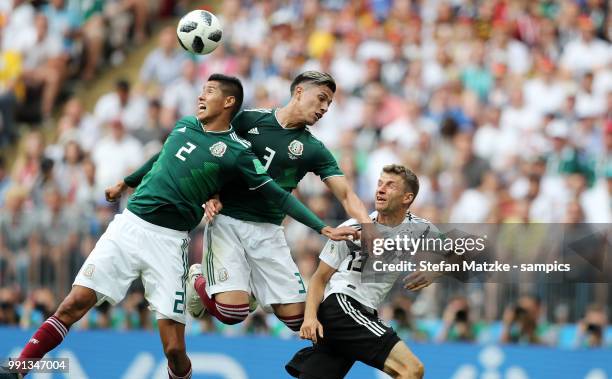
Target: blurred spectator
{"x": 69, "y": 173}
{"x": 592, "y": 327}
{"x": 44, "y": 63}
{"x": 403, "y": 322}
{"x": 115, "y": 155}
{"x": 39, "y": 306}
{"x": 10, "y": 70}
{"x": 458, "y": 324}
{"x": 5, "y": 181}
{"x": 587, "y": 52}
{"x": 180, "y": 96}
{"x": 77, "y": 124}
{"x": 521, "y": 322}
{"x": 157, "y": 125}
{"x": 123, "y": 104}
{"x": 588, "y": 102}
{"x": 8, "y": 307}
{"x": 87, "y": 192}
{"x": 46, "y": 179}
{"x": 17, "y": 225}
{"x": 256, "y": 324}
{"x": 163, "y": 65}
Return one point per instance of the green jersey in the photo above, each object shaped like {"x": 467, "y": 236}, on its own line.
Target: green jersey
{"x": 287, "y": 155}
{"x": 192, "y": 166}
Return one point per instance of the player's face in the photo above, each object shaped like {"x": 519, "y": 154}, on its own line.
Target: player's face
{"x": 314, "y": 102}
{"x": 391, "y": 195}
{"x": 211, "y": 101}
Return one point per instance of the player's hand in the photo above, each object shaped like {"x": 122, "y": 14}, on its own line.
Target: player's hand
{"x": 418, "y": 280}
{"x": 311, "y": 329}
{"x": 342, "y": 233}
{"x": 114, "y": 193}
{"x": 212, "y": 208}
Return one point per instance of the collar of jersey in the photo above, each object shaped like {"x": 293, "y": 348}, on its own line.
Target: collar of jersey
{"x": 281, "y": 125}
{"x": 231, "y": 129}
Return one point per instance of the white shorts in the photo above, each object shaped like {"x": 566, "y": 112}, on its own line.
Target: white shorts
{"x": 252, "y": 257}
{"x": 132, "y": 247}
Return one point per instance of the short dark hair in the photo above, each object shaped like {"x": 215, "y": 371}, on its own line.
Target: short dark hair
{"x": 411, "y": 182}
{"x": 122, "y": 85}
{"x": 315, "y": 77}
{"x": 230, "y": 86}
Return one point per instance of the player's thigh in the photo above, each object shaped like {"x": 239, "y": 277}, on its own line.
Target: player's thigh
{"x": 275, "y": 278}
{"x": 318, "y": 362}
{"x": 111, "y": 266}
{"x": 287, "y": 310}
{"x": 356, "y": 330}
{"x": 232, "y": 297}
{"x": 224, "y": 263}
{"x": 402, "y": 362}
{"x": 164, "y": 274}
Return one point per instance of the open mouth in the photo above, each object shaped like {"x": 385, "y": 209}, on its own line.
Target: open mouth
{"x": 380, "y": 199}
{"x": 202, "y": 107}
{"x": 318, "y": 115}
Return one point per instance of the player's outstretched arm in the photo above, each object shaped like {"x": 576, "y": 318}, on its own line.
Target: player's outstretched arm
{"x": 253, "y": 172}
{"x": 348, "y": 198}
{"x": 311, "y": 327}
{"x": 294, "y": 208}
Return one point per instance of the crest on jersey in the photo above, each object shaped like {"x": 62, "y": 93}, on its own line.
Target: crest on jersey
{"x": 89, "y": 270}
{"x": 296, "y": 148}
{"x": 218, "y": 149}
{"x": 223, "y": 275}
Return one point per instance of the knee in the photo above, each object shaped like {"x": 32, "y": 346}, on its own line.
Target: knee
{"x": 74, "y": 307}
{"x": 174, "y": 351}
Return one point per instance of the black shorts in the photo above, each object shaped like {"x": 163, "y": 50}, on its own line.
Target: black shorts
{"x": 352, "y": 332}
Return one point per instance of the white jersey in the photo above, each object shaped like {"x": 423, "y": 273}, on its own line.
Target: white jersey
{"x": 346, "y": 258}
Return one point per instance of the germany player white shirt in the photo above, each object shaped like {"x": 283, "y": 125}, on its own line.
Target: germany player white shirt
{"x": 346, "y": 258}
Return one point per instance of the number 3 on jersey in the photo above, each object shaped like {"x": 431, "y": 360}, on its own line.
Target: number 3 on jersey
{"x": 185, "y": 149}
{"x": 268, "y": 158}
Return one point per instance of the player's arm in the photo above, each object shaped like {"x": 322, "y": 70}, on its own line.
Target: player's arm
{"x": 256, "y": 177}
{"x": 353, "y": 206}
{"x": 311, "y": 328}
{"x": 131, "y": 181}
{"x": 326, "y": 167}
{"x": 331, "y": 257}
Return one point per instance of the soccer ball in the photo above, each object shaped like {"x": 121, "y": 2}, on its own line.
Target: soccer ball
{"x": 199, "y": 32}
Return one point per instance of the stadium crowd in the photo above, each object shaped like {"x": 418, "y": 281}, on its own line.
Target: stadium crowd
{"x": 502, "y": 108}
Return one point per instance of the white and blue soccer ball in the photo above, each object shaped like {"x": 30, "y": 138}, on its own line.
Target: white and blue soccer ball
{"x": 199, "y": 32}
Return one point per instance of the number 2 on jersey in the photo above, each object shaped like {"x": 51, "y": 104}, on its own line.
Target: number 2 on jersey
{"x": 185, "y": 149}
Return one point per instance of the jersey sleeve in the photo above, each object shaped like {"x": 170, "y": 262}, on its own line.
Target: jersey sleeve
{"x": 325, "y": 165}
{"x": 334, "y": 253}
